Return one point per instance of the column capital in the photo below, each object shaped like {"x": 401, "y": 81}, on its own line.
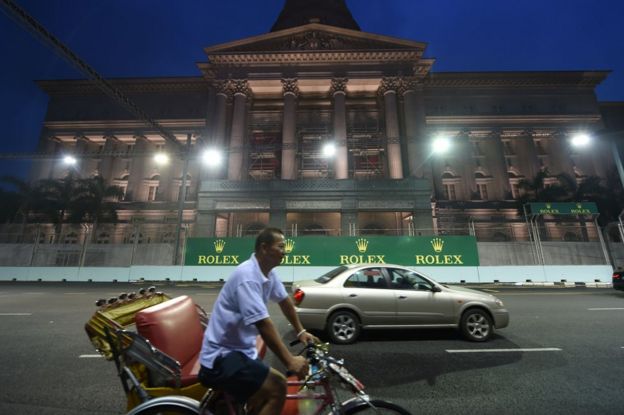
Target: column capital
{"x": 408, "y": 84}
{"x": 222, "y": 87}
{"x": 388, "y": 84}
{"x": 290, "y": 86}
{"x": 241, "y": 87}
{"x": 338, "y": 85}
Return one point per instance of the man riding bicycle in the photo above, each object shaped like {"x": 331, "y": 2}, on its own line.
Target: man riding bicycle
{"x": 229, "y": 356}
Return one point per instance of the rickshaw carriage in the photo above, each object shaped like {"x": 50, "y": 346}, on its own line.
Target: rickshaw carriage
{"x": 154, "y": 341}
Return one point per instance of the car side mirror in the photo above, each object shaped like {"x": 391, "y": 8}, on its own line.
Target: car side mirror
{"x": 436, "y": 289}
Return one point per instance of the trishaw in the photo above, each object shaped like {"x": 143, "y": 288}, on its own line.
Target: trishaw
{"x": 152, "y": 360}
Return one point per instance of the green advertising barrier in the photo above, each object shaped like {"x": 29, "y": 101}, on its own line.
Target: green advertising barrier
{"x": 578, "y": 208}
{"x": 333, "y": 251}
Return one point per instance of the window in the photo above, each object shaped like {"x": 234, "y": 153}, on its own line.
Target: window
{"x": 325, "y": 278}
{"x": 103, "y": 238}
{"x": 449, "y": 191}
{"x": 483, "y": 191}
{"x": 408, "y": 280}
{"x": 367, "y": 278}
{"x": 151, "y": 193}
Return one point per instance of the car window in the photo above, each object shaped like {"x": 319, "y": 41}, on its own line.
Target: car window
{"x": 409, "y": 280}
{"x": 325, "y": 278}
{"x": 367, "y": 278}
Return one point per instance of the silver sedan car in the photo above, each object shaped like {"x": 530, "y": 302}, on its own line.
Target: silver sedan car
{"x": 348, "y": 299}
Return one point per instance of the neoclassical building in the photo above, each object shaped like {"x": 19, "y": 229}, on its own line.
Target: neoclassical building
{"x": 271, "y": 103}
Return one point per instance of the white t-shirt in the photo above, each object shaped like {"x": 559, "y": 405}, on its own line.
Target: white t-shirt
{"x": 241, "y": 303}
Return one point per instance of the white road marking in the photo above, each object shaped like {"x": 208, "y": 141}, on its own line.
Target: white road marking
{"x": 606, "y": 309}
{"x": 543, "y": 349}
{"x": 74, "y": 293}
{"x": 90, "y": 356}
{"x": 15, "y": 314}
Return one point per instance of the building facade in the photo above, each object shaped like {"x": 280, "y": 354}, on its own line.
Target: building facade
{"x": 271, "y": 103}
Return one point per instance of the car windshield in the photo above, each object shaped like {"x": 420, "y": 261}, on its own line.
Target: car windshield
{"x": 325, "y": 278}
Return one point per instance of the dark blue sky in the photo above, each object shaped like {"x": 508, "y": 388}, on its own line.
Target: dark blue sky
{"x": 142, "y": 38}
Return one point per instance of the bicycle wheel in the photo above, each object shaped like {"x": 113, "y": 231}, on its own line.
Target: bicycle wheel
{"x": 375, "y": 407}
{"x": 167, "y": 405}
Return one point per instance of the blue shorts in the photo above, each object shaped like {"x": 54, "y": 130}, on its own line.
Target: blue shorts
{"x": 236, "y": 374}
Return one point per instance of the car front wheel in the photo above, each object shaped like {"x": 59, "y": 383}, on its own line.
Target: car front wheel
{"x": 343, "y": 327}
{"x": 476, "y": 325}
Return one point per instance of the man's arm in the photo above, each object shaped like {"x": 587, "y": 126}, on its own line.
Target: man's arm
{"x": 288, "y": 309}
{"x": 296, "y": 364}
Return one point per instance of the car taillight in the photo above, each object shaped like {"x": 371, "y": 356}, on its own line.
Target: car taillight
{"x": 617, "y": 276}
{"x": 298, "y": 296}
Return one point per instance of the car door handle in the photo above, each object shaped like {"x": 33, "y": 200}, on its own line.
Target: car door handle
{"x": 402, "y": 297}
{"x": 352, "y": 295}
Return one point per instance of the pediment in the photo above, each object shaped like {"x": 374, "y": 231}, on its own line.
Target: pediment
{"x": 316, "y": 37}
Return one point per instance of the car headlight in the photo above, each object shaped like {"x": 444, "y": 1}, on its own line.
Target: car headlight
{"x": 498, "y": 302}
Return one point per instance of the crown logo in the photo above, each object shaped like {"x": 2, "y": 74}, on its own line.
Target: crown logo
{"x": 437, "y": 244}
{"x": 579, "y": 206}
{"x": 548, "y": 205}
{"x": 362, "y": 245}
{"x": 289, "y": 245}
{"x": 219, "y": 244}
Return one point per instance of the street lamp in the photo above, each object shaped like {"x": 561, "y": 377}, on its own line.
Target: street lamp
{"x": 69, "y": 160}
{"x": 329, "y": 150}
{"x": 580, "y": 140}
{"x": 161, "y": 159}
{"x": 440, "y": 144}
{"x": 212, "y": 158}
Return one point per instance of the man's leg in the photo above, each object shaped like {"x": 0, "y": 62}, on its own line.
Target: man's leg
{"x": 270, "y": 398}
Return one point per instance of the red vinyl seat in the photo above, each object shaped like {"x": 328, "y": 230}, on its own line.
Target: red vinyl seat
{"x": 175, "y": 329}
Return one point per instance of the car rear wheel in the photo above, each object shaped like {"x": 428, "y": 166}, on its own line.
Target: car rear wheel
{"x": 343, "y": 327}
{"x": 476, "y": 325}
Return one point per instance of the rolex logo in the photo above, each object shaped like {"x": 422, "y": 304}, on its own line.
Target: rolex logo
{"x": 289, "y": 245}
{"x": 362, "y": 245}
{"x": 437, "y": 244}
{"x": 219, "y": 244}
{"x": 579, "y": 206}
{"x": 548, "y": 206}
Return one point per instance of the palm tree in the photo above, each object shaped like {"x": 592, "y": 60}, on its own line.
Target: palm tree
{"x": 26, "y": 198}
{"x": 94, "y": 202}
{"x": 537, "y": 191}
{"x": 57, "y": 199}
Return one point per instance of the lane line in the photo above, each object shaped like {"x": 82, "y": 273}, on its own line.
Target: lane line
{"x": 90, "y": 356}
{"x": 542, "y": 349}
{"x": 15, "y": 314}
{"x": 74, "y": 293}
{"x": 606, "y": 309}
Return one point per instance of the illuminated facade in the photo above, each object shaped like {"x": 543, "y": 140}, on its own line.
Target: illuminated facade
{"x": 272, "y": 102}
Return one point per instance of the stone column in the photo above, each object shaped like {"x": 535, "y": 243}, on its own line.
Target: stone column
{"x": 495, "y": 159}
{"x": 241, "y": 91}
{"x": 559, "y": 153}
{"x": 220, "y": 119}
{"x": 109, "y": 163}
{"x": 338, "y": 92}
{"x": 86, "y": 165}
{"x": 388, "y": 89}
{"x": 527, "y": 155}
{"x": 138, "y": 168}
{"x": 289, "y": 129}
{"x": 217, "y": 138}
{"x": 415, "y": 128}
